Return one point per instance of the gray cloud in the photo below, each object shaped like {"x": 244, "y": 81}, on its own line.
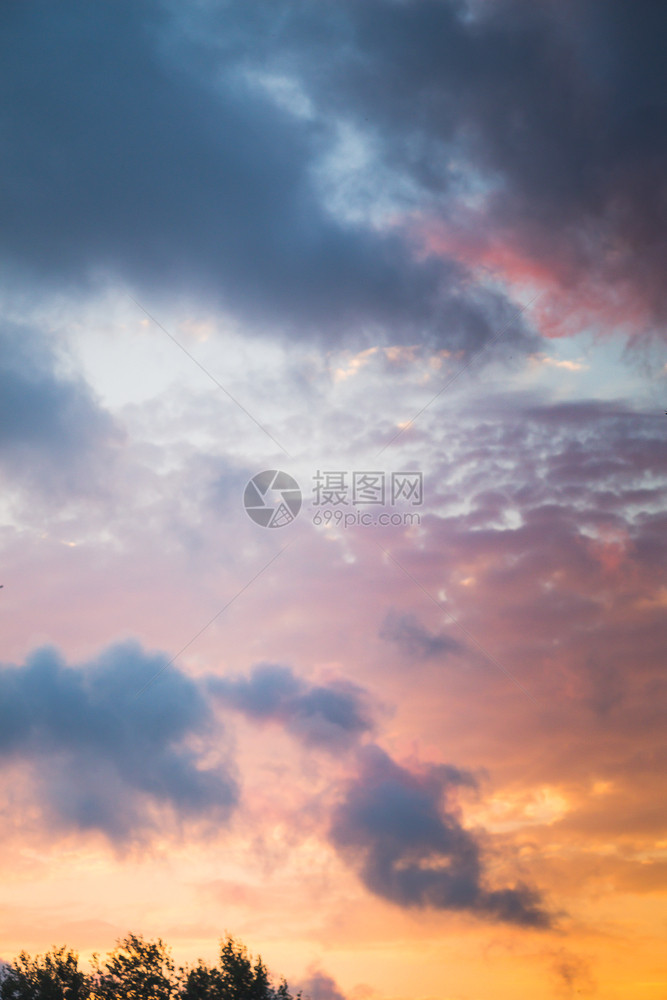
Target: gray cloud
{"x": 556, "y": 110}
{"x": 332, "y": 716}
{"x": 52, "y": 430}
{"x": 415, "y": 641}
{"x": 136, "y": 149}
{"x": 412, "y": 850}
{"x": 319, "y": 986}
{"x": 103, "y": 757}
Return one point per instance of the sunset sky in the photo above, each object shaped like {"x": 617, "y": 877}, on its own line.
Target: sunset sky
{"x": 415, "y": 760}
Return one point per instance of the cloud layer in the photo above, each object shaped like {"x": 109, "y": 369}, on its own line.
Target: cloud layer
{"x": 141, "y": 150}
{"x": 332, "y": 206}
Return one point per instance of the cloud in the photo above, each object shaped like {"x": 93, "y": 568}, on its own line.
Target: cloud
{"x": 332, "y": 716}
{"x": 103, "y": 756}
{"x": 414, "y": 640}
{"x": 531, "y": 136}
{"x": 319, "y": 986}
{"x": 53, "y": 432}
{"x": 141, "y": 148}
{"x": 344, "y": 171}
{"x": 412, "y": 850}
{"x": 571, "y": 366}
{"x": 572, "y": 974}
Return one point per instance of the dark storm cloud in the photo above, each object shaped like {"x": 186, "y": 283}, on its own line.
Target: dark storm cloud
{"x": 333, "y": 716}
{"x": 557, "y": 110}
{"x": 411, "y": 849}
{"x": 135, "y": 148}
{"x": 414, "y": 640}
{"x": 104, "y": 757}
{"x": 51, "y": 428}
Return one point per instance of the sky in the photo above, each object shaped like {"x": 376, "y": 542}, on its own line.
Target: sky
{"x": 394, "y": 718}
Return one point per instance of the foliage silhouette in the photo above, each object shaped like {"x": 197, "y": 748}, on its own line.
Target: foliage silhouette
{"x": 137, "y": 969}
{"x": 54, "y": 976}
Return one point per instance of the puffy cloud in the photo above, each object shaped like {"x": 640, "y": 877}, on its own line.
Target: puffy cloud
{"x": 319, "y": 986}
{"x": 412, "y": 850}
{"x": 104, "y": 756}
{"x": 330, "y": 715}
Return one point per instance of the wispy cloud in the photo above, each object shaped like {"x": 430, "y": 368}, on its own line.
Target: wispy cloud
{"x": 332, "y": 715}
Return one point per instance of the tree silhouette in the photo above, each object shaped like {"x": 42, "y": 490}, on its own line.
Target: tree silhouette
{"x": 236, "y": 978}
{"x": 200, "y": 983}
{"x": 137, "y": 969}
{"x": 54, "y": 976}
